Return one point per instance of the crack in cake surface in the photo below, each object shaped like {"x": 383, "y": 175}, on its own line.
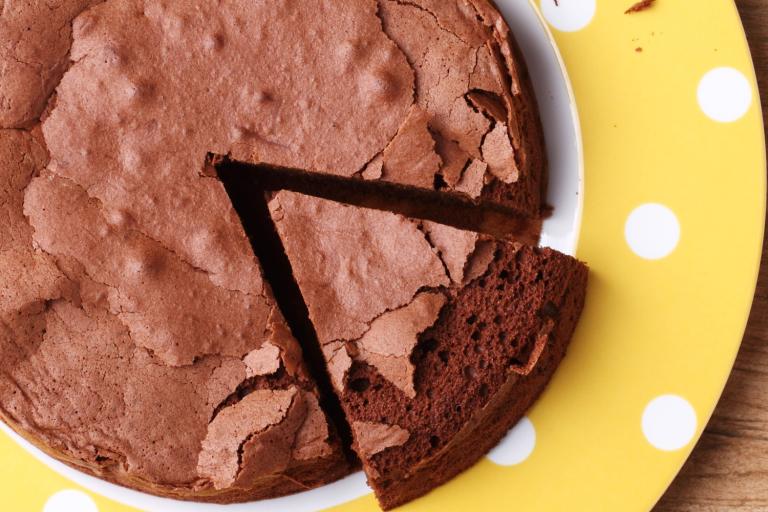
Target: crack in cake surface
{"x": 36, "y": 39}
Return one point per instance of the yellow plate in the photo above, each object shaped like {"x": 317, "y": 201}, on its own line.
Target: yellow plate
{"x": 672, "y": 224}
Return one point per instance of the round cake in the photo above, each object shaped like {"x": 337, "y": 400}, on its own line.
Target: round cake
{"x": 140, "y": 335}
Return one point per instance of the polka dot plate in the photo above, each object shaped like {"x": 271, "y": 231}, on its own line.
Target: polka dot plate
{"x": 657, "y": 164}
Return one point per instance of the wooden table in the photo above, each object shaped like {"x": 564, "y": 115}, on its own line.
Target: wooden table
{"x": 729, "y": 467}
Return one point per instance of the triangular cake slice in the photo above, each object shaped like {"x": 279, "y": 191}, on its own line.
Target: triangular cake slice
{"x": 437, "y": 340}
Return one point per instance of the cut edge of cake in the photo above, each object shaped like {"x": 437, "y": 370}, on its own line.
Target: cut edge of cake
{"x": 445, "y": 207}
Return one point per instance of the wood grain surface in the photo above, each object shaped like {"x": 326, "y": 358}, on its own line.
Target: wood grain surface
{"x": 729, "y": 467}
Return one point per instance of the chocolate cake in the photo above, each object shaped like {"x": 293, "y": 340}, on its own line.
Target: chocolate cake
{"x": 437, "y": 340}
{"x": 141, "y": 339}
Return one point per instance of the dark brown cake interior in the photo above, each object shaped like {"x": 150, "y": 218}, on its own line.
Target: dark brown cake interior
{"x": 465, "y": 359}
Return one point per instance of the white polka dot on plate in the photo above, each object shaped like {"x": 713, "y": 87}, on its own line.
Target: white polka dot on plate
{"x": 70, "y": 500}
{"x": 652, "y": 231}
{"x": 517, "y": 446}
{"x": 669, "y": 422}
{"x": 568, "y": 15}
{"x": 725, "y": 94}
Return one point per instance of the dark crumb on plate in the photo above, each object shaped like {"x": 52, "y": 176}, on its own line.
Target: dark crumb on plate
{"x": 557, "y": 4}
{"x": 639, "y": 49}
{"x": 640, "y": 6}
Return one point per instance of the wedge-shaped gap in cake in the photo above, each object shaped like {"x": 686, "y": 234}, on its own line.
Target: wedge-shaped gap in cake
{"x": 444, "y": 206}
{"x": 250, "y": 203}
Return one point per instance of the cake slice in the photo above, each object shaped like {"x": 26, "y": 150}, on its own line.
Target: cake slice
{"x": 437, "y": 340}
